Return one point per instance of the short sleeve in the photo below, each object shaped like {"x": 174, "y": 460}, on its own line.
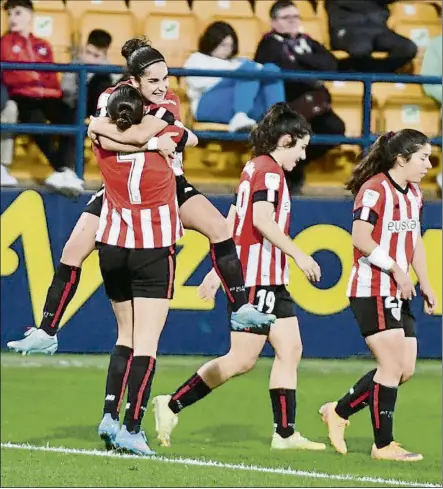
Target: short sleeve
{"x": 265, "y": 186}
{"x": 368, "y": 205}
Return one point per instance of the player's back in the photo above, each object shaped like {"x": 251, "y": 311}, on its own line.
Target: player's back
{"x": 262, "y": 179}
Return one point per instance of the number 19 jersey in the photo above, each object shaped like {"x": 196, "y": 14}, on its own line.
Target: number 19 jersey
{"x": 262, "y": 179}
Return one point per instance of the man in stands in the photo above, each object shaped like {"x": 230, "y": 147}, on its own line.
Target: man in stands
{"x": 94, "y": 52}
{"x": 360, "y": 28}
{"x": 38, "y": 94}
{"x": 290, "y": 49}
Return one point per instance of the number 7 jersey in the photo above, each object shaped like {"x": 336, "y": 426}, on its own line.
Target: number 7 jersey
{"x": 262, "y": 179}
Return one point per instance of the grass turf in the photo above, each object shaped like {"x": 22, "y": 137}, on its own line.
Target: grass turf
{"x": 58, "y": 401}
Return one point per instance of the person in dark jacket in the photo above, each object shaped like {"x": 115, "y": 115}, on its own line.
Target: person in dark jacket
{"x": 38, "y": 94}
{"x": 359, "y": 28}
{"x": 289, "y": 49}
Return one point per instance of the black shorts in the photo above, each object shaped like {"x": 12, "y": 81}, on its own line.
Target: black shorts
{"x": 185, "y": 190}
{"x": 377, "y": 314}
{"x": 95, "y": 204}
{"x": 270, "y": 299}
{"x": 129, "y": 273}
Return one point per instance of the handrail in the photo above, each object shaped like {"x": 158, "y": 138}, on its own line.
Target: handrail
{"x": 79, "y": 128}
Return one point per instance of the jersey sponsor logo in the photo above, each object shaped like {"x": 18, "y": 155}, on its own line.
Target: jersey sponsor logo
{"x": 403, "y": 225}
{"x": 272, "y": 181}
{"x": 370, "y": 198}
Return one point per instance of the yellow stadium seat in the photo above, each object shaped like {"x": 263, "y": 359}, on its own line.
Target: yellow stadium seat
{"x": 405, "y": 106}
{"x": 174, "y": 35}
{"x": 418, "y": 32}
{"x": 413, "y": 12}
{"x": 3, "y": 20}
{"x": 347, "y": 102}
{"x": 79, "y": 7}
{"x": 262, "y": 8}
{"x": 48, "y": 5}
{"x": 56, "y": 26}
{"x": 316, "y": 29}
{"x": 205, "y": 9}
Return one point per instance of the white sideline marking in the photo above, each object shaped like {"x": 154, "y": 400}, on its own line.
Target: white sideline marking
{"x": 212, "y": 463}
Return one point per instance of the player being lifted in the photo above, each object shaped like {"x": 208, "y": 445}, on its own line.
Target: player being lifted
{"x": 196, "y": 210}
{"x": 259, "y": 221}
{"x": 387, "y": 241}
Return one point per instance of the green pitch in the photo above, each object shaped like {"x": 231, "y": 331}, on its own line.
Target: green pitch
{"x": 54, "y": 406}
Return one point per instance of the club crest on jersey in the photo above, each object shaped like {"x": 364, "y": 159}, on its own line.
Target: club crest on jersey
{"x": 249, "y": 168}
{"x": 370, "y": 198}
{"x": 272, "y": 181}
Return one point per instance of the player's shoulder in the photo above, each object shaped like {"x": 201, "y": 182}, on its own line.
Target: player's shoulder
{"x": 372, "y": 190}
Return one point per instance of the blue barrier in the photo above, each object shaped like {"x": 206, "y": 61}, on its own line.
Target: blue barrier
{"x": 35, "y": 227}
{"x": 79, "y": 128}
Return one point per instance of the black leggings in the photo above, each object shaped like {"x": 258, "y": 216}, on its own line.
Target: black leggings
{"x": 33, "y": 110}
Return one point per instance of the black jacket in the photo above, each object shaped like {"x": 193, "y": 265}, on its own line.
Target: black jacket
{"x": 301, "y": 53}
{"x": 353, "y": 13}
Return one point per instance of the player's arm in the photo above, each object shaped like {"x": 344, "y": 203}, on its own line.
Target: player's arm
{"x": 421, "y": 270}
{"x": 263, "y": 220}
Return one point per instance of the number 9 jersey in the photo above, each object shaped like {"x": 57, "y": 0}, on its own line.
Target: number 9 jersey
{"x": 263, "y": 264}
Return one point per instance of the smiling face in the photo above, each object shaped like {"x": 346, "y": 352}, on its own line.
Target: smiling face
{"x": 288, "y": 157}
{"x": 415, "y": 168}
{"x": 154, "y": 84}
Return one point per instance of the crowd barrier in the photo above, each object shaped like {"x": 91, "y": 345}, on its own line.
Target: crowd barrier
{"x": 35, "y": 226}
{"x": 78, "y": 129}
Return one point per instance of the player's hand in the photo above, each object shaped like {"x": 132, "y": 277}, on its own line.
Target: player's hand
{"x": 208, "y": 288}
{"x": 92, "y": 135}
{"x": 166, "y": 145}
{"x": 404, "y": 282}
{"x": 308, "y": 266}
{"x": 429, "y": 297}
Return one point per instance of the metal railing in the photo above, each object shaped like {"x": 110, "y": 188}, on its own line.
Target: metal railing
{"x": 79, "y": 128}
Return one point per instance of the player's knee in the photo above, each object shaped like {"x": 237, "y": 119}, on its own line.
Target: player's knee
{"x": 290, "y": 353}
{"x": 244, "y": 365}
{"x": 218, "y": 230}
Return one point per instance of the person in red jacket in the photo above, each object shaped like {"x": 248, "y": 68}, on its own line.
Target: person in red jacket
{"x": 38, "y": 94}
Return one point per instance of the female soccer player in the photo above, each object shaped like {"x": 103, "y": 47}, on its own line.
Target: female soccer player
{"x": 139, "y": 226}
{"x": 195, "y": 209}
{"x": 260, "y": 224}
{"x": 387, "y": 241}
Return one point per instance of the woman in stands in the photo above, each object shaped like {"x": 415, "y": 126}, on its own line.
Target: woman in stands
{"x": 148, "y": 72}
{"x": 259, "y": 222}
{"x": 139, "y": 226}
{"x": 387, "y": 242}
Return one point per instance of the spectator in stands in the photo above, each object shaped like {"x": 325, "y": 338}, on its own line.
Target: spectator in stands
{"x": 359, "y": 28}
{"x": 432, "y": 65}
{"x": 8, "y": 116}
{"x": 237, "y": 102}
{"x": 38, "y": 94}
{"x": 94, "y": 53}
{"x": 289, "y": 49}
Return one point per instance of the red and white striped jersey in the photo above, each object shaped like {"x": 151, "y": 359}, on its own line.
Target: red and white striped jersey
{"x": 140, "y": 207}
{"x": 262, "y": 179}
{"x": 170, "y": 103}
{"x": 395, "y": 214}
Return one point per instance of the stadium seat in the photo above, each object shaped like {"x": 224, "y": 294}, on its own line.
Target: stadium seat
{"x": 419, "y": 32}
{"x": 55, "y": 24}
{"x": 112, "y": 16}
{"x": 413, "y": 12}
{"x": 262, "y": 8}
{"x": 174, "y": 35}
{"x": 3, "y": 20}
{"x": 347, "y": 102}
{"x": 405, "y": 106}
{"x": 205, "y": 9}
{"x": 315, "y": 28}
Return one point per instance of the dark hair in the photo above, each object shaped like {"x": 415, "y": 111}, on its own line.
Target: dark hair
{"x": 139, "y": 55}
{"x": 279, "y": 5}
{"x": 214, "y": 35}
{"x": 383, "y": 154}
{"x": 279, "y": 120}
{"x": 125, "y": 106}
{"x": 100, "y": 39}
{"x": 18, "y": 3}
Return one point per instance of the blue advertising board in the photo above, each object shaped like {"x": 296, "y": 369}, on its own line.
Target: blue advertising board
{"x": 36, "y": 225}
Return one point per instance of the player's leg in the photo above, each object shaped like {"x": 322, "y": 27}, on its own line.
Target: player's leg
{"x": 63, "y": 287}
{"x": 197, "y": 213}
{"x": 410, "y": 346}
{"x": 242, "y": 356}
{"x": 152, "y": 283}
{"x": 285, "y": 339}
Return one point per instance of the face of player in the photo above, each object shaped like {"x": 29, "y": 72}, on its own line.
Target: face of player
{"x": 224, "y": 49}
{"x": 418, "y": 165}
{"x": 19, "y": 20}
{"x": 287, "y": 21}
{"x": 154, "y": 84}
{"x": 291, "y": 156}
{"x": 93, "y": 55}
